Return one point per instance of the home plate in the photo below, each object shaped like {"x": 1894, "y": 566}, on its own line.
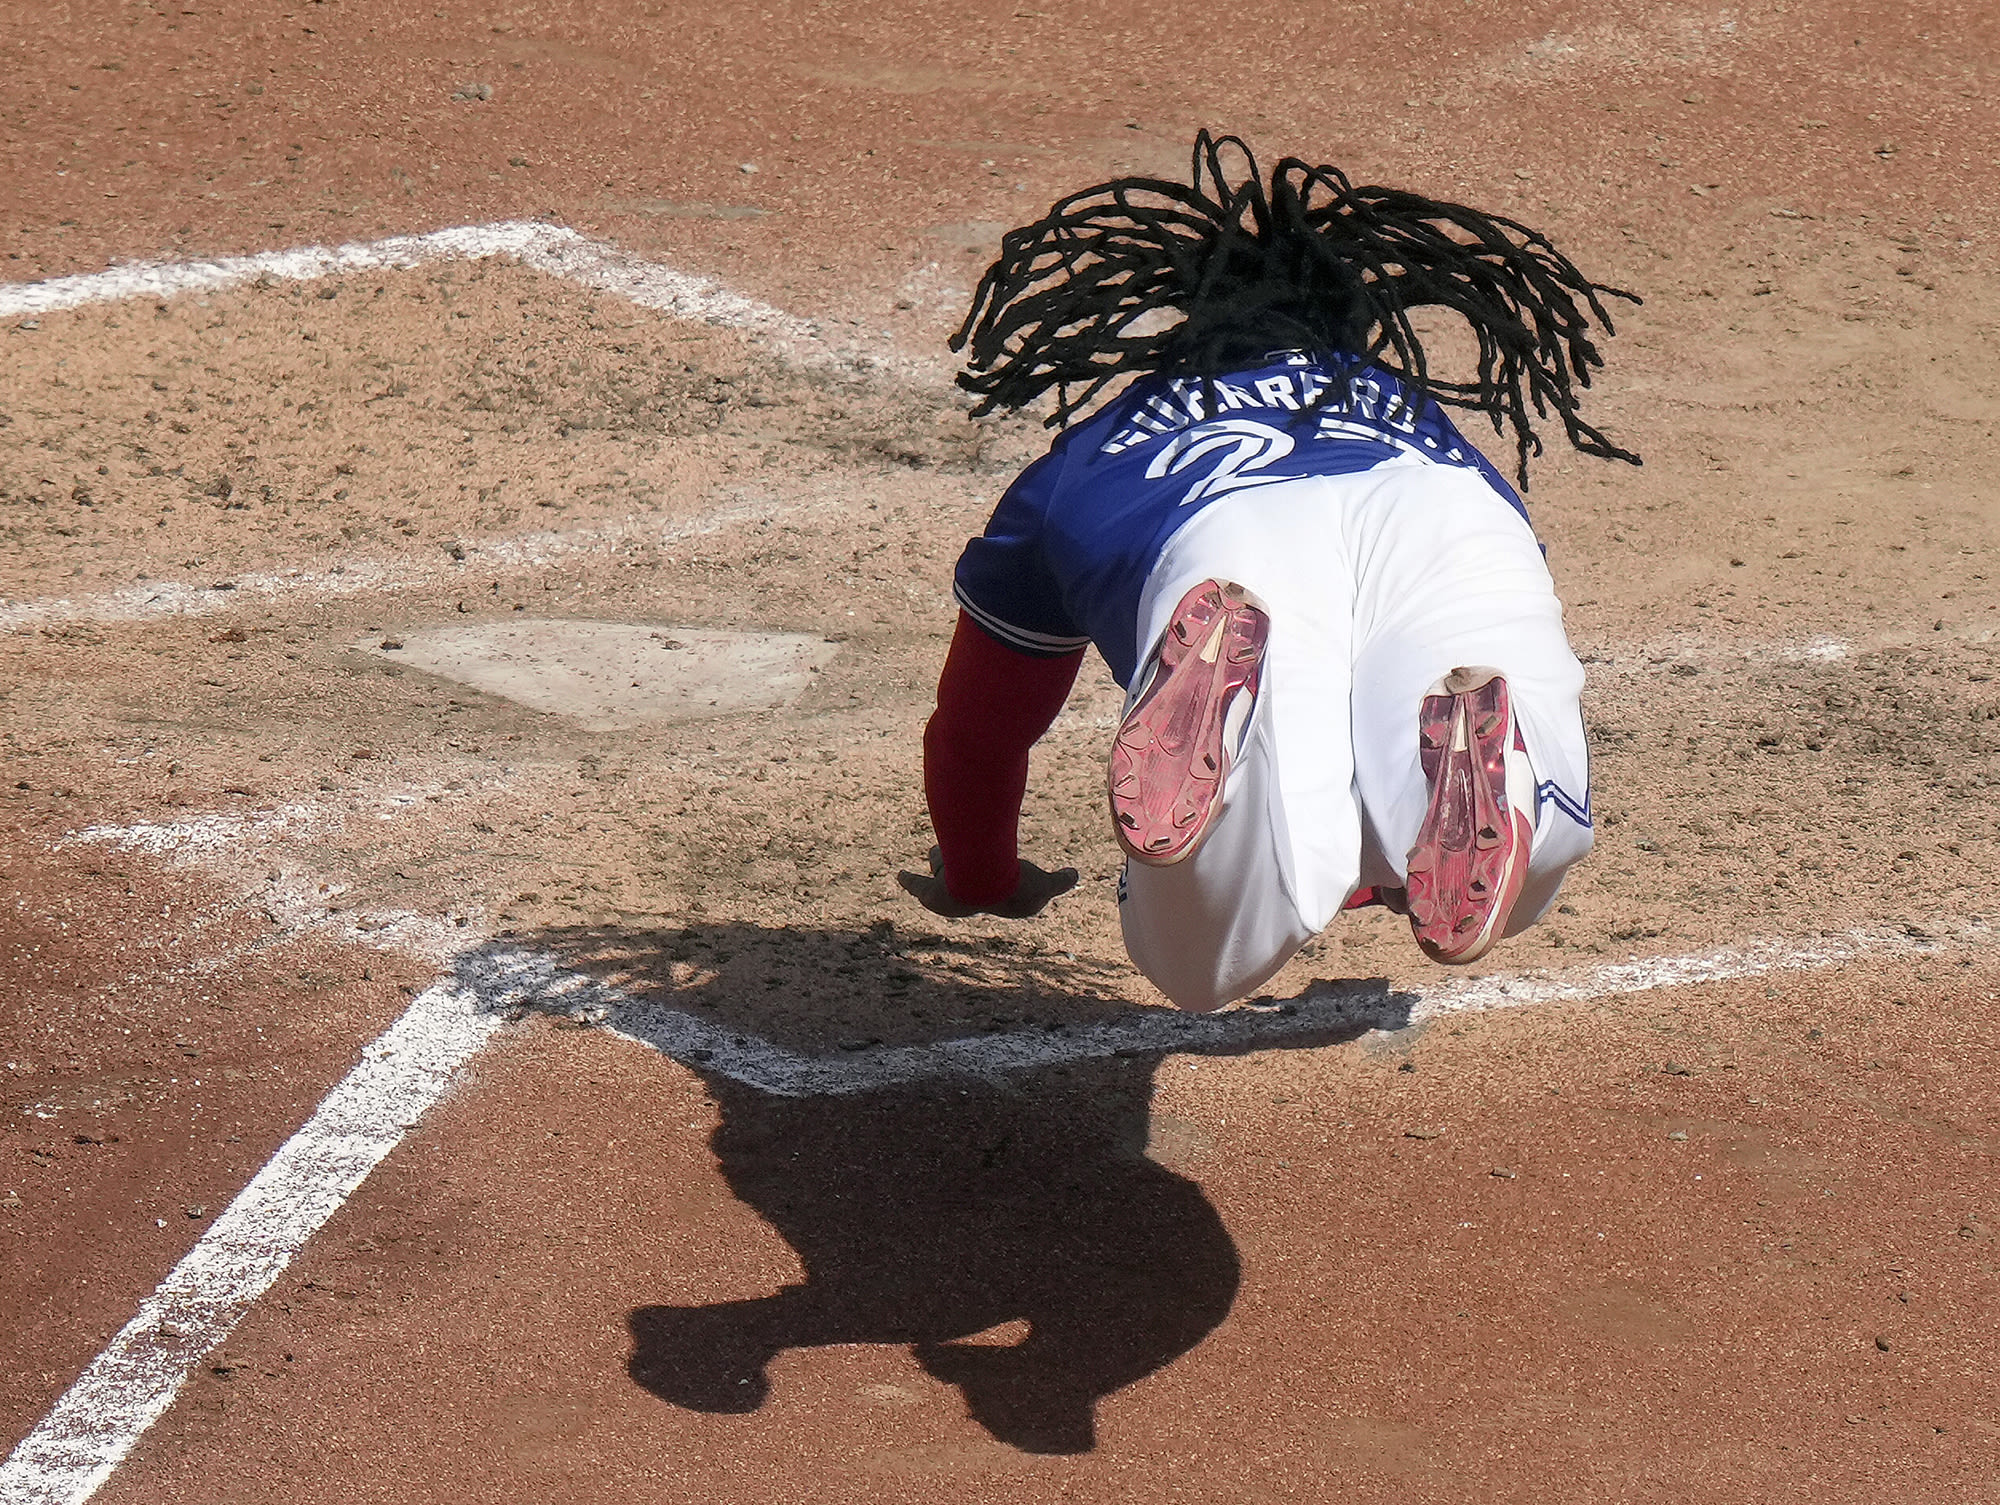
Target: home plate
{"x": 612, "y": 676}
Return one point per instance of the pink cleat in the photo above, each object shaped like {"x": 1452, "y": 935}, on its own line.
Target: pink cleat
{"x": 1174, "y": 746}
{"x": 1471, "y": 856}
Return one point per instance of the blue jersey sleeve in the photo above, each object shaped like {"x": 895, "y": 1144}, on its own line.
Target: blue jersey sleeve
{"x": 1003, "y": 579}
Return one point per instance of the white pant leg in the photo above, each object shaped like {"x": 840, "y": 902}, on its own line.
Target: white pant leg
{"x": 1449, "y": 574}
{"x": 1212, "y": 927}
{"x": 1282, "y": 855}
{"x": 1377, "y": 585}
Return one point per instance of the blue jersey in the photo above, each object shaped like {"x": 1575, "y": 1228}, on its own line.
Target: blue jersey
{"x": 1067, "y": 554}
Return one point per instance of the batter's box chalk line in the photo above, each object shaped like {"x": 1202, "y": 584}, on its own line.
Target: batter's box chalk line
{"x": 517, "y": 981}
{"x": 555, "y": 250}
{"x": 156, "y": 599}
{"x": 131, "y": 1383}
{"x": 406, "y": 1070}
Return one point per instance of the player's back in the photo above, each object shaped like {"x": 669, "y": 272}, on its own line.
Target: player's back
{"x": 1072, "y": 543}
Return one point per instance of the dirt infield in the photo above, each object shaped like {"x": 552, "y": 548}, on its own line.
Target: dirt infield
{"x": 292, "y": 561}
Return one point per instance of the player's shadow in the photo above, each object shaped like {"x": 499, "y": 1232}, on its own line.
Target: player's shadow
{"x": 953, "y": 1138}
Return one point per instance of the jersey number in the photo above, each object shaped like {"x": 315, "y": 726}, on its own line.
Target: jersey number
{"x": 1238, "y": 445}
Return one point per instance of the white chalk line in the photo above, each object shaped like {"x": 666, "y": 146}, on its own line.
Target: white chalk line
{"x": 404, "y": 1072}
{"x": 133, "y": 1381}
{"x": 153, "y": 600}
{"x": 525, "y": 980}
{"x": 554, "y": 249}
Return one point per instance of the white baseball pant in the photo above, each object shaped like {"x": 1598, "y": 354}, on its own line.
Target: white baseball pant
{"x": 1377, "y": 585}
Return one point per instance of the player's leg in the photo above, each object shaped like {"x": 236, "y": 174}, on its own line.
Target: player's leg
{"x": 1212, "y": 928}
{"x": 1280, "y": 850}
{"x": 1453, "y": 580}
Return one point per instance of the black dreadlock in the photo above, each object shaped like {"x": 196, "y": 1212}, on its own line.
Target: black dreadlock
{"x": 1314, "y": 264}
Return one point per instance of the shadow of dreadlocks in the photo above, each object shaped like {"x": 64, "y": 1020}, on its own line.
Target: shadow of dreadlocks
{"x": 951, "y": 1134}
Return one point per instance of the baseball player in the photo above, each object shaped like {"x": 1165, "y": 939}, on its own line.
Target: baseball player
{"x": 1348, "y": 679}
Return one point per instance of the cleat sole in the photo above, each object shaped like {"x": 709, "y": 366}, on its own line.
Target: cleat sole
{"x": 1169, "y": 761}
{"x": 1471, "y": 853}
